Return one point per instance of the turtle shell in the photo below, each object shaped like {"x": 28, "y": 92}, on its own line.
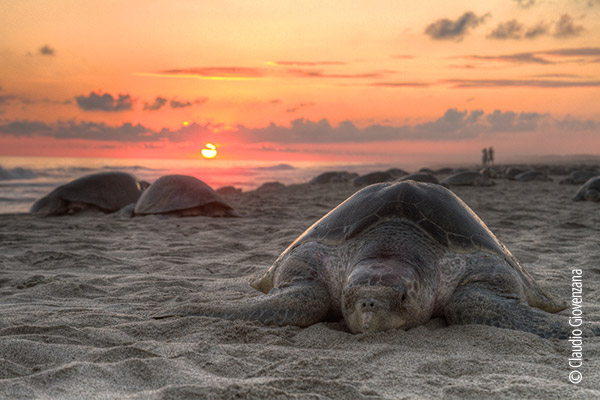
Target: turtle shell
{"x": 174, "y": 193}
{"x": 465, "y": 178}
{"x": 108, "y": 191}
{"x": 435, "y": 209}
{"x": 591, "y": 184}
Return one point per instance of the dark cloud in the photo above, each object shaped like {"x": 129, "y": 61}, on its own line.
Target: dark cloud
{"x": 510, "y": 121}
{"x": 512, "y": 29}
{"x": 46, "y": 51}
{"x": 445, "y": 29}
{"x": 24, "y": 128}
{"x": 179, "y": 104}
{"x": 575, "y": 52}
{"x": 105, "y": 102}
{"x": 158, "y": 103}
{"x": 454, "y": 124}
{"x": 538, "y": 83}
{"x": 565, "y": 27}
{"x": 541, "y": 57}
{"x": 537, "y": 30}
{"x": 519, "y": 58}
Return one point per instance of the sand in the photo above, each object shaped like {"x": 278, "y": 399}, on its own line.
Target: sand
{"x": 77, "y": 293}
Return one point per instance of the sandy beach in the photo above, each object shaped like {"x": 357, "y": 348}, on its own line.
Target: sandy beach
{"x": 77, "y": 295}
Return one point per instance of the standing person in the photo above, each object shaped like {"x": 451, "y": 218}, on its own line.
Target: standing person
{"x": 491, "y": 155}
{"x": 484, "y": 157}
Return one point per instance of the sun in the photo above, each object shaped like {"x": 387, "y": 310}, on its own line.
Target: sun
{"x": 210, "y": 151}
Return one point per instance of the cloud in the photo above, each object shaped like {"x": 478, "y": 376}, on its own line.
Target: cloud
{"x": 180, "y": 104}
{"x": 305, "y": 63}
{"x": 525, "y": 3}
{"x": 538, "y": 83}
{"x": 454, "y": 124}
{"x": 565, "y": 27}
{"x": 105, "y": 102}
{"x": 46, "y": 51}
{"x": 541, "y": 57}
{"x": 158, "y": 103}
{"x": 519, "y": 58}
{"x": 401, "y": 84}
{"x": 510, "y": 121}
{"x": 507, "y": 30}
{"x": 445, "y": 29}
{"x": 313, "y": 73}
{"x": 299, "y": 106}
{"x": 217, "y": 73}
{"x": 539, "y": 29}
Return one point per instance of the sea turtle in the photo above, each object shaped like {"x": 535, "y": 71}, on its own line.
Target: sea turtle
{"x": 333, "y": 177}
{"x": 532, "y": 175}
{"x": 580, "y": 176}
{"x": 511, "y": 172}
{"x": 105, "y": 191}
{"x": 394, "y": 255}
{"x": 421, "y": 177}
{"x": 467, "y": 178}
{"x": 373, "y": 177}
{"x": 396, "y": 173}
{"x": 589, "y": 190}
{"x": 182, "y": 195}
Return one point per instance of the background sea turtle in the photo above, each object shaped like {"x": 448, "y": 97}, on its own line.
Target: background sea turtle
{"x": 589, "y": 190}
{"x": 512, "y": 172}
{"x": 105, "y": 191}
{"x": 333, "y": 177}
{"x": 532, "y": 175}
{"x": 394, "y": 255}
{"x": 467, "y": 178}
{"x": 580, "y": 176}
{"x": 421, "y": 177}
{"x": 373, "y": 177}
{"x": 182, "y": 195}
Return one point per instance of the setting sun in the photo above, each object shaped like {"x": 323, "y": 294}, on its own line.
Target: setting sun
{"x": 210, "y": 151}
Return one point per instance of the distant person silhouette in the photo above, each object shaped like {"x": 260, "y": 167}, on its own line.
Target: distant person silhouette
{"x": 484, "y": 157}
{"x": 491, "y": 155}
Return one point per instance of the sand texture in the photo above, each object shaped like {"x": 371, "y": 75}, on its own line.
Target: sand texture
{"x": 77, "y": 293}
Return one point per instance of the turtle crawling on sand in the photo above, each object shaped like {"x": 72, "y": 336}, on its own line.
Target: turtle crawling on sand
{"x": 589, "y": 190}
{"x": 395, "y": 255}
{"x": 105, "y": 191}
{"x": 183, "y": 196}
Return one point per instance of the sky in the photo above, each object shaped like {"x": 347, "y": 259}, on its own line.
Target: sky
{"x": 300, "y": 80}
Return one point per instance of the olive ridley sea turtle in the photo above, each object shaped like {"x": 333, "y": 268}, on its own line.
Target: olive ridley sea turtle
{"x": 105, "y": 191}
{"x": 182, "y": 195}
{"x": 467, "y": 178}
{"x": 395, "y": 255}
{"x": 589, "y": 190}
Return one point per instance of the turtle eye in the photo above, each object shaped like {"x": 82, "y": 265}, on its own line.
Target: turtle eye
{"x": 403, "y": 299}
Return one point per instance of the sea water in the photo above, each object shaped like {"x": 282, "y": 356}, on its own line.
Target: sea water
{"x": 23, "y": 180}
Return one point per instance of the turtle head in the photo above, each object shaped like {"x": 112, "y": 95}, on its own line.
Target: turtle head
{"x": 381, "y": 295}
{"x": 374, "y": 308}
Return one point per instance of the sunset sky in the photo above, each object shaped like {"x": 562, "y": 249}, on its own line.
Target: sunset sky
{"x": 299, "y": 80}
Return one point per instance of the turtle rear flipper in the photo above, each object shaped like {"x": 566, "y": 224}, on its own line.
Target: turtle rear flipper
{"x": 301, "y": 303}
{"x": 479, "y": 303}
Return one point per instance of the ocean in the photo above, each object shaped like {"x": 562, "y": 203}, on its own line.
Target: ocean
{"x": 23, "y": 180}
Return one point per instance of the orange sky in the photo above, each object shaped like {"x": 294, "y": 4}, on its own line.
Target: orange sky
{"x": 302, "y": 80}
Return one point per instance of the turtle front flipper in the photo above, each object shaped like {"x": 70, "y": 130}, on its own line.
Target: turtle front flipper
{"x": 301, "y": 303}
{"x": 479, "y": 303}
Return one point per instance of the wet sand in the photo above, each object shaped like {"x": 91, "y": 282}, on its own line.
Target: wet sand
{"x": 77, "y": 293}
